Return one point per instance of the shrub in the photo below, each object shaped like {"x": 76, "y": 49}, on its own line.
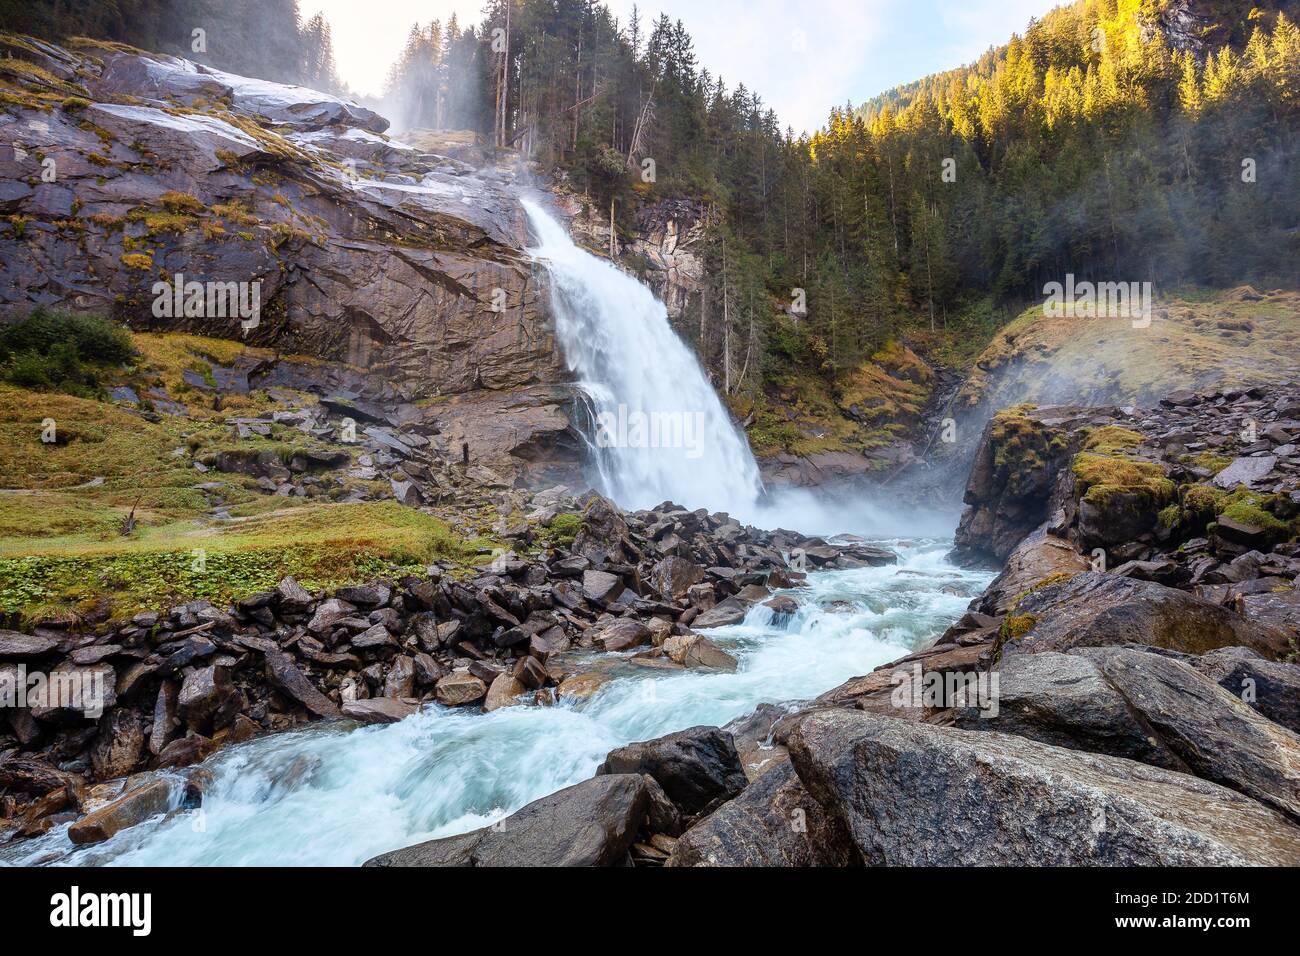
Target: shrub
{"x": 55, "y": 349}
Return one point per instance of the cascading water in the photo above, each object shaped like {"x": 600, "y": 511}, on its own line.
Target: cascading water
{"x": 661, "y": 433}
{"x": 336, "y": 794}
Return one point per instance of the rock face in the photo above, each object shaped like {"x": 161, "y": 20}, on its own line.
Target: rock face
{"x": 912, "y": 794}
{"x": 592, "y": 823}
{"x": 1092, "y": 609}
{"x": 362, "y": 249}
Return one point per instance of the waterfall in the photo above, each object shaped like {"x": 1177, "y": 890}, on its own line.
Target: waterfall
{"x": 659, "y": 431}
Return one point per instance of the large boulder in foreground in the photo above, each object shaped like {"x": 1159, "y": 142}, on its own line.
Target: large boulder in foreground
{"x": 774, "y": 822}
{"x": 916, "y": 794}
{"x": 592, "y": 823}
{"x": 696, "y": 767}
{"x": 1094, "y": 610}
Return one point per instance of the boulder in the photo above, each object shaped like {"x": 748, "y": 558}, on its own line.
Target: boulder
{"x": 623, "y": 635}
{"x": 1212, "y": 732}
{"x": 773, "y": 822}
{"x": 380, "y": 710}
{"x": 459, "y": 688}
{"x": 916, "y": 794}
{"x": 504, "y": 692}
{"x": 600, "y": 586}
{"x": 1039, "y": 557}
{"x": 600, "y": 539}
{"x": 1093, "y": 609}
{"x": 399, "y": 681}
{"x": 695, "y": 650}
{"x": 1245, "y": 471}
{"x": 204, "y": 691}
{"x": 673, "y": 576}
{"x": 581, "y": 686}
{"x": 285, "y": 675}
{"x": 1064, "y": 700}
{"x": 696, "y": 767}
{"x": 21, "y": 647}
{"x": 119, "y": 745}
{"x": 730, "y": 611}
{"x": 133, "y": 807}
{"x": 593, "y": 823}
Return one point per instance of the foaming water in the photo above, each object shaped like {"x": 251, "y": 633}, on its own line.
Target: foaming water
{"x": 328, "y": 795}
{"x": 672, "y": 438}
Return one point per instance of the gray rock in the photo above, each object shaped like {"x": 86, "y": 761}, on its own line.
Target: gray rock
{"x": 696, "y": 767}
{"x": 915, "y": 794}
{"x": 380, "y": 710}
{"x": 773, "y": 822}
{"x": 21, "y": 647}
{"x": 1270, "y": 687}
{"x": 1093, "y": 609}
{"x": 1245, "y": 471}
{"x": 592, "y": 823}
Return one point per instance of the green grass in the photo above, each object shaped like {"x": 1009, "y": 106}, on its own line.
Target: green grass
{"x": 322, "y": 545}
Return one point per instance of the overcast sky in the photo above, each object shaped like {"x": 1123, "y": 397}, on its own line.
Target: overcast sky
{"x": 802, "y": 56}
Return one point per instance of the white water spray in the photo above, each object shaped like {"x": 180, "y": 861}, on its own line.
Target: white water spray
{"x": 662, "y": 433}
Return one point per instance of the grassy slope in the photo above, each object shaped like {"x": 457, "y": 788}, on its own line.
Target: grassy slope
{"x": 61, "y": 546}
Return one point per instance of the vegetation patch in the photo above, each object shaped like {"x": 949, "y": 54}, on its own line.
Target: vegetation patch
{"x": 58, "y": 350}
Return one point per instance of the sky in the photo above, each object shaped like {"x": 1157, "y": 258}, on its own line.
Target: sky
{"x": 801, "y": 56}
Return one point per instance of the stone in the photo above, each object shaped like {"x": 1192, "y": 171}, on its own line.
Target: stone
{"x": 457, "y": 689}
{"x": 399, "y": 680}
{"x": 292, "y": 595}
{"x": 285, "y": 675}
{"x": 773, "y": 822}
{"x": 132, "y": 808}
{"x": 600, "y": 539}
{"x": 119, "y": 745}
{"x": 375, "y": 637}
{"x": 581, "y": 686}
{"x": 166, "y": 718}
{"x": 1245, "y": 471}
{"x": 1270, "y": 687}
{"x": 380, "y": 710}
{"x": 1213, "y": 733}
{"x": 529, "y": 672}
{"x": 1035, "y": 559}
{"x": 1092, "y": 609}
{"x": 75, "y": 693}
{"x": 673, "y": 576}
{"x": 593, "y": 823}
{"x": 24, "y": 647}
{"x": 1065, "y": 700}
{"x": 783, "y": 608}
{"x": 365, "y": 595}
{"x": 203, "y": 692}
{"x": 696, "y": 767}
{"x": 695, "y": 650}
{"x": 504, "y": 692}
{"x": 623, "y": 635}
{"x": 730, "y": 611}
{"x": 600, "y": 586}
{"x": 327, "y": 613}
{"x": 915, "y": 794}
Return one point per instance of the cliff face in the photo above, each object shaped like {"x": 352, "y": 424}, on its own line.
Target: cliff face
{"x": 136, "y": 175}
{"x": 132, "y": 168}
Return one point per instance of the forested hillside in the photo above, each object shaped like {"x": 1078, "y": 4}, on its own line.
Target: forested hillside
{"x": 1119, "y": 140}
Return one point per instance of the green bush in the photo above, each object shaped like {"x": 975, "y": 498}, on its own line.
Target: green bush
{"x": 53, "y": 349}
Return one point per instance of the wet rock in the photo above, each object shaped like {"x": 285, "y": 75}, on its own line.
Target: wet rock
{"x": 286, "y": 676}
{"x": 133, "y": 807}
{"x": 696, "y": 767}
{"x": 1270, "y": 687}
{"x": 730, "y": 611}
{"x": 673, "y": 576}
{"x": 593, "y": 823}
{"x": 913, "y": 794}
{"x": 399, "y": 681}
{"x": 695, "y": 650}
{"x": 504, "y": 692}
{"x": 623, "y": 635}
{"x": 1038, "y": 557}
{"x": 204, "y": 691}
{"x": 581, "y": 686}
{"x": 600, "y": 586}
